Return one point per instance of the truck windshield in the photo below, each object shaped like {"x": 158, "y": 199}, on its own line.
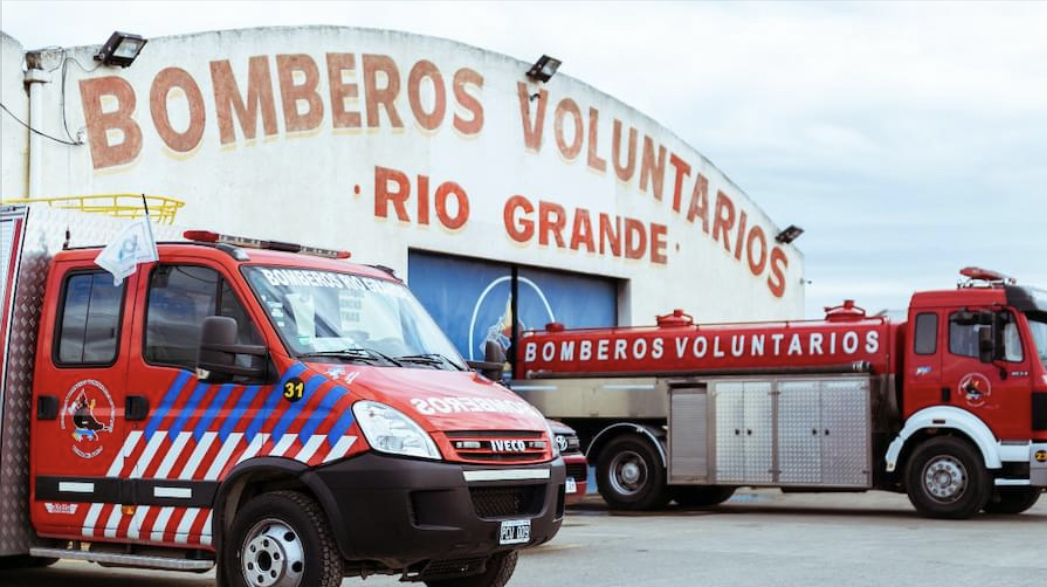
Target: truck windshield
{"x": 1038, "y": 327}
{"x": 343, "y": 317}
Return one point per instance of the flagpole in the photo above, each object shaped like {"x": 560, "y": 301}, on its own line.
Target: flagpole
{"x": 149, "y": 226}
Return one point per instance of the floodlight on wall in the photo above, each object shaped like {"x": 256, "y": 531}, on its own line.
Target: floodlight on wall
{"x": 121, "y": 49}
{"x": 544, "y": 69}
{"x": 788, "y": 235}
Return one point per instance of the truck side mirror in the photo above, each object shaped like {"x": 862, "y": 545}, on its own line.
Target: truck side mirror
{"x": 218, "y": 352}
{"x": 986, "y": 344}
{"x": 493, "y": 363}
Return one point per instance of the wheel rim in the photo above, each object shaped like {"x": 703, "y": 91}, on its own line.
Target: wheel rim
{"x": 945, "y": 479}
{"x": 628, "y": 474}
{"x": 272, "y": 555}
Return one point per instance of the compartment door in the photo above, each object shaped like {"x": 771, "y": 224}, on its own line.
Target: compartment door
{"x": 729, "y": 403}
{"x": 799, "y": 433}
{"x": 759, "y": 432}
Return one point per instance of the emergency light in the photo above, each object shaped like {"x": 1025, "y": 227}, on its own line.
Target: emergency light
{"x": 207, "y": 236}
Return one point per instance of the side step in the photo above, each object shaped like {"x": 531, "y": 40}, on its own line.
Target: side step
{"x": 125, "y": 560}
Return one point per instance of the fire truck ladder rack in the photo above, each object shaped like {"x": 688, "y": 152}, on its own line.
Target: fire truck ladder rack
{"x": 125, "y": 560}
{"x": 162, "y": 209}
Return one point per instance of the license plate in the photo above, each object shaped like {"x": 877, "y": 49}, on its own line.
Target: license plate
{"x": 572, "y": 485}
{"x": 515, "y": 532}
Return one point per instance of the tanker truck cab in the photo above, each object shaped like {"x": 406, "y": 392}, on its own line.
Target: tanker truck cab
{"x": 281, "y": 414}
{"x": 975, "y": 398}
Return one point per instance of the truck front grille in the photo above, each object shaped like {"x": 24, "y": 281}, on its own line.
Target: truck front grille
{"x": 507, "y": 502}
{"x": 500, "y": 446}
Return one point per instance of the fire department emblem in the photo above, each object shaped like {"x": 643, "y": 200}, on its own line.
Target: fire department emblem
{"x": 87, "y": 414}
{"x": 975, "y": 388}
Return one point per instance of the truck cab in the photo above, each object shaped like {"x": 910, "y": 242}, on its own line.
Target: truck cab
{"x": 277, "y": 412}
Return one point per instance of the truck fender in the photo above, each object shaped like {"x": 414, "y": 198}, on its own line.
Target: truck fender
{"x": 270, "y": 467}
{"x": 653, "y": 434}
{"x": 950, "y": 418}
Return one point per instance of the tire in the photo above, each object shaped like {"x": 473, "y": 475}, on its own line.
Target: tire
{"x": 1013, "y": 500}
{"x": 945, "y": 478}
{"x": 281, "y": 539}
{"x": 499, "y": 570}
{"x": 701, "y": 497}
{"x": 630, "y": 475}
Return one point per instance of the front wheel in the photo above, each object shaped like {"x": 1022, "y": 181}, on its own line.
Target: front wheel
{"x": 630, "y": 475}
{"x": 945, "y": 478}
{"x": 281, "y": 539}
{"x": 1013, "y": 500}
{"x": 499, "y": 570}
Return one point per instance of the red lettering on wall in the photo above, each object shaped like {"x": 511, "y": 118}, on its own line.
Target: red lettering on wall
{"x": 595, "y": 162}
{"x": 443, "y": 193}
{"x": 743, "y": 220}
{"x": 682, "y": 171}
{"x": 659, "y": 235}
{"x": 611, "y": 235}
{"x": 384, "y": 96}
{"x": 293, "y": 94}
{"x": 422, "y": 70}
{"x": 582, "y": 231}
{"x": 532, "y": 127}
{"x": 624, "y": 172}
{"x": 723, "y": 219}
{"x": 99, "y": 122}
{"x": 165, "y": 81}
{"x": 551, "y": 220}
{"x": 423, "y": 200}
{"x": 228, "y": 98}
{"x": 652, "y": 170}
{"x": 397, "y": 195}
{"x": 635, "y": 239}
{"x": 337, "y": 65}
{"x": 699, "y": 207}
{"x": 520, "y": 229}
{"x": 568, "y": 107}
{"x": 779, "y": 263}
{"x": 463, "y": 78}
{"x": 756, "y": 235}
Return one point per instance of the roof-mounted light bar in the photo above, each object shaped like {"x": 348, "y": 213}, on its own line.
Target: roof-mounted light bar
{"x": 207, "y": 236}
{"x": 986, "y": 275}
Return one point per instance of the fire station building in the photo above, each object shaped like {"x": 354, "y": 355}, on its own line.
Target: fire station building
{"x": 450, "y": 164}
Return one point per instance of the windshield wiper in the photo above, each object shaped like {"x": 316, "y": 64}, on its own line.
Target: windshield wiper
{"x": 360, "y": 354}
{"x": 430, "y": 359}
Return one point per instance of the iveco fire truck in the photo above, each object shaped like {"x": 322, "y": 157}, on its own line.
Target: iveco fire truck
{"x": 949, "y": 405}
{"x": 270, "y": 410}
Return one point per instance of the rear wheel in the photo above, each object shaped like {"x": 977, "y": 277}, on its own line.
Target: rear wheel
{"x": 1013, "y": 500}
{"x": 945, "y": 478}
{"x": 499, "y": 570}
{"x": 630, "y": 475}
{"x": 281, "y": 539}
{"x": 701, "y": 497}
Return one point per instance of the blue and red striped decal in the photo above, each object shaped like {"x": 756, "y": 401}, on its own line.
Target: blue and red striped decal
{"x": 276, "y": 394}
{"x": 167, "y": 403}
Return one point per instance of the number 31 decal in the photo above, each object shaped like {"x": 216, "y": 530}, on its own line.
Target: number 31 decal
{"x": 294, "y": 389}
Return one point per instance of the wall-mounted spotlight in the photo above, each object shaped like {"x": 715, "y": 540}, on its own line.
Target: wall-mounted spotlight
{"x": 789, "y": 234}
{"x": 544, "y": 69}
{"x": 121, "y": 49}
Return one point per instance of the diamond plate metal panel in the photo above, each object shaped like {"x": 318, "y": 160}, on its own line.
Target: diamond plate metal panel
{"x": 688, "y": 436}
{"x": 846, "y": 450}
{"x": 799, "y": 433}
{"x": 759, "y": 432}
{"x": 729, "y": 405}
{"x": 45, "y": 231}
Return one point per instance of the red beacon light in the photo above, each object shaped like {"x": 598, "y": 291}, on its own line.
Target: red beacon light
{"x": 207, "y": 236}
{"x": 677, "y": 319}
{"x": 986, "y": 275}
{"x": 848, "y": 312}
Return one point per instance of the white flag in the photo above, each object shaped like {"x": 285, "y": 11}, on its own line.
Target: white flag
{"x": 132, "y": 246}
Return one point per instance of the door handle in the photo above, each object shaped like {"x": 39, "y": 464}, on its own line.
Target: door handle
{"x": 136, "y": 408}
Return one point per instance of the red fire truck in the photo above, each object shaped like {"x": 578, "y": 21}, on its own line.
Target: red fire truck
{"x": 273, "y": 411}
{"x": 948, "y": 406}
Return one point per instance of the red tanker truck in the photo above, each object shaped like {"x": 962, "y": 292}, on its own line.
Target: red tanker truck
{"x": 948, "y": 406}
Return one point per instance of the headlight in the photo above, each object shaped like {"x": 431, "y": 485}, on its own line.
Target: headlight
{"x": 390, "y": 431}
{"x": 552, "y": 439}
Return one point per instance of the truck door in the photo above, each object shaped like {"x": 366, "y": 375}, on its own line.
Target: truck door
{"x": 998, "y": 392}
{"x": 78, "y": 428}
{"x": 193, "y": 429}
{"x": 923, "y": 383}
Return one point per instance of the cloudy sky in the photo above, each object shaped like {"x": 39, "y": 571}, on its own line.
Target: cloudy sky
{"x": 908, "y": 139}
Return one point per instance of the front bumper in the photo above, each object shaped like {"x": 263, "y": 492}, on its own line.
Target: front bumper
{"x": 577, "y": 469}
{"x": 401, "y": 512}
